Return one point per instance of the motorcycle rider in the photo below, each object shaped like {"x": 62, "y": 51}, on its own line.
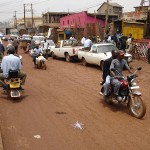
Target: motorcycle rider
{"x": 106, "y": 72}
{"x": 11, "y": 62}
{"x": 37, "y": 51}
{"x": 118, "y": 65}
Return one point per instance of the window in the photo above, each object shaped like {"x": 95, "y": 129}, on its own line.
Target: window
{"x": 58, "y": 44}
{"x": 94, "y": 49}
{"x": 105, "y": 48}
{"x": 110, "y": 11}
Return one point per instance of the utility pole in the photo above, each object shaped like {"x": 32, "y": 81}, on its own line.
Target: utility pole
{"x": 106, "y": 17}
{"x": 32, "y": 15}
{"x": 24, "y": 16}
{"x": 15, "y": 20}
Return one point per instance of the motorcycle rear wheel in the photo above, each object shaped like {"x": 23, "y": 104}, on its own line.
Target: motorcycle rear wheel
{"x": 138, "y": 109}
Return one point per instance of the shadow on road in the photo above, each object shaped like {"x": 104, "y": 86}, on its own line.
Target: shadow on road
{"x": 13, "y": 100}
{"x": 115, "y": 107}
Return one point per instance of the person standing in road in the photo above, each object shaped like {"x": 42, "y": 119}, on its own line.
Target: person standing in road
{"x": 16, "y": 44}
{"x": 45, "y": 48}
{"x": 2, "y": 49}
{"x": 148, "y": 52}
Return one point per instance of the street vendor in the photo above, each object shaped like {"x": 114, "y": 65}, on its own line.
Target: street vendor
{"x": 148, "y": 52}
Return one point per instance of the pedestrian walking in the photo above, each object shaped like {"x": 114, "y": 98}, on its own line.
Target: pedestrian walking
{"x": 2, "y": 49}
{"x": 16, "y": 44}
{"x": 148, "y": 52}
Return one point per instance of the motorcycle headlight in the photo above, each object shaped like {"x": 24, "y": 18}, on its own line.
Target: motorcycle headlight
{"x": 130, "y": 59}
{"x": 133, "y": 82}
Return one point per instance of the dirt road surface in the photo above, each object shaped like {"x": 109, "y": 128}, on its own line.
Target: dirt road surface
{"x": 56, "y": 98}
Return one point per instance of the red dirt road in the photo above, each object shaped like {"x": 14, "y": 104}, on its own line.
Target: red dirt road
{"x": 54, "y": 99}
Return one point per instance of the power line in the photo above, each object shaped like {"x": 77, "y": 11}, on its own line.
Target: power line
{"x": 77, "y": 10}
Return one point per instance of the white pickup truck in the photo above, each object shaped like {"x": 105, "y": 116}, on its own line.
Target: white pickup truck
{"x": 98, "y": 53}
{"x": 67, "y": 49}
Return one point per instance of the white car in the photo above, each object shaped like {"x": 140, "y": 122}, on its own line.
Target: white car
{"x": 98, "y": 54}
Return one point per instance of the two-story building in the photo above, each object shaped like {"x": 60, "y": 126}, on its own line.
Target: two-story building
{"x": 51, "y": 21}
{"x": 134, "y": 22}
{"x": 114, "y": 11}
{"x": 80, "y": 24}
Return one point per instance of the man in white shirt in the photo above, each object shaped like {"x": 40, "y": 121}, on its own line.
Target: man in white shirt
{"x": 45, "y": 48}
{"x": 83, "y": 40}
{"x": 87, "y": 43}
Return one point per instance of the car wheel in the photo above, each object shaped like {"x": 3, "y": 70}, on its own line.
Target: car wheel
{"x": 53, "y": 55}
{"x": 84, "y": 63}
{"x": 67, "y": 57}
{"x": 101, "y": 65}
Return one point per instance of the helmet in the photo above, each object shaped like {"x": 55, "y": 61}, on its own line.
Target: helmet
{"x": 11, "y": 50}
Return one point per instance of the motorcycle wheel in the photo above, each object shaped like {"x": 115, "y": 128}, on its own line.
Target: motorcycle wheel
{"x": 67, "y": 57}
{"x": 108, "y": 100}
{"x": 44, "y": 66}
{"x": 138, "y": 109}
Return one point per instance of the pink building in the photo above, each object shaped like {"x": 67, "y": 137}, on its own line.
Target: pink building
{"x": 81, "y": 24}
{"x": 79, "y": 20}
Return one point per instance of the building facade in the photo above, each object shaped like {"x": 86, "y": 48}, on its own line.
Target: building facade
{"x": 114, "y": 11}
{"x": 80, "y": 24}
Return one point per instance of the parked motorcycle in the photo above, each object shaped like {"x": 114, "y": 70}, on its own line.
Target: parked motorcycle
{"x": 129, "y": 94}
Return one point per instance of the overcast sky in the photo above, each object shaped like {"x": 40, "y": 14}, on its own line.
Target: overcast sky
{"x": 8, "y": 7}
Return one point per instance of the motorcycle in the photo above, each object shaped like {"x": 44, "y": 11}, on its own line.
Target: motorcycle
{"x": 13, "y": 83}
{"x": 40, "y": 62}
{"x": 129, "y": 94}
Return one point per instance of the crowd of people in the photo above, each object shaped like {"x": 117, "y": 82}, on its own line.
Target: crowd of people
{"x": 11, "y": 60}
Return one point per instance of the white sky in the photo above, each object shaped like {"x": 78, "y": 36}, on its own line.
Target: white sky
{"x": 9, "y": 6}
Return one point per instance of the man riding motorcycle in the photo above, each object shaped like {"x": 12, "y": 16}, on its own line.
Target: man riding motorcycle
{"x": 106, "y": 72}
{"x": 117, "y": 65}
{"x": 37, "y": 51}
{"x": 11, "y": 63}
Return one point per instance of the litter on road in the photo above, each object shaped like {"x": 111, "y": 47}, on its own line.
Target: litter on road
{"x": 78, "y": 125}
{"x": 37, "y": 136}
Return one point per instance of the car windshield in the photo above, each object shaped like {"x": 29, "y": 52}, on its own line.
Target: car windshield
{"x": 51, "y": 43}
{"x": 70, "y": 42}
{"x": 38, "y": 38}
{"x": 105, "y": 48}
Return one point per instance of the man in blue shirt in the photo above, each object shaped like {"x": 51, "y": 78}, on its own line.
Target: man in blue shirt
{"x": 11, "y": 62}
